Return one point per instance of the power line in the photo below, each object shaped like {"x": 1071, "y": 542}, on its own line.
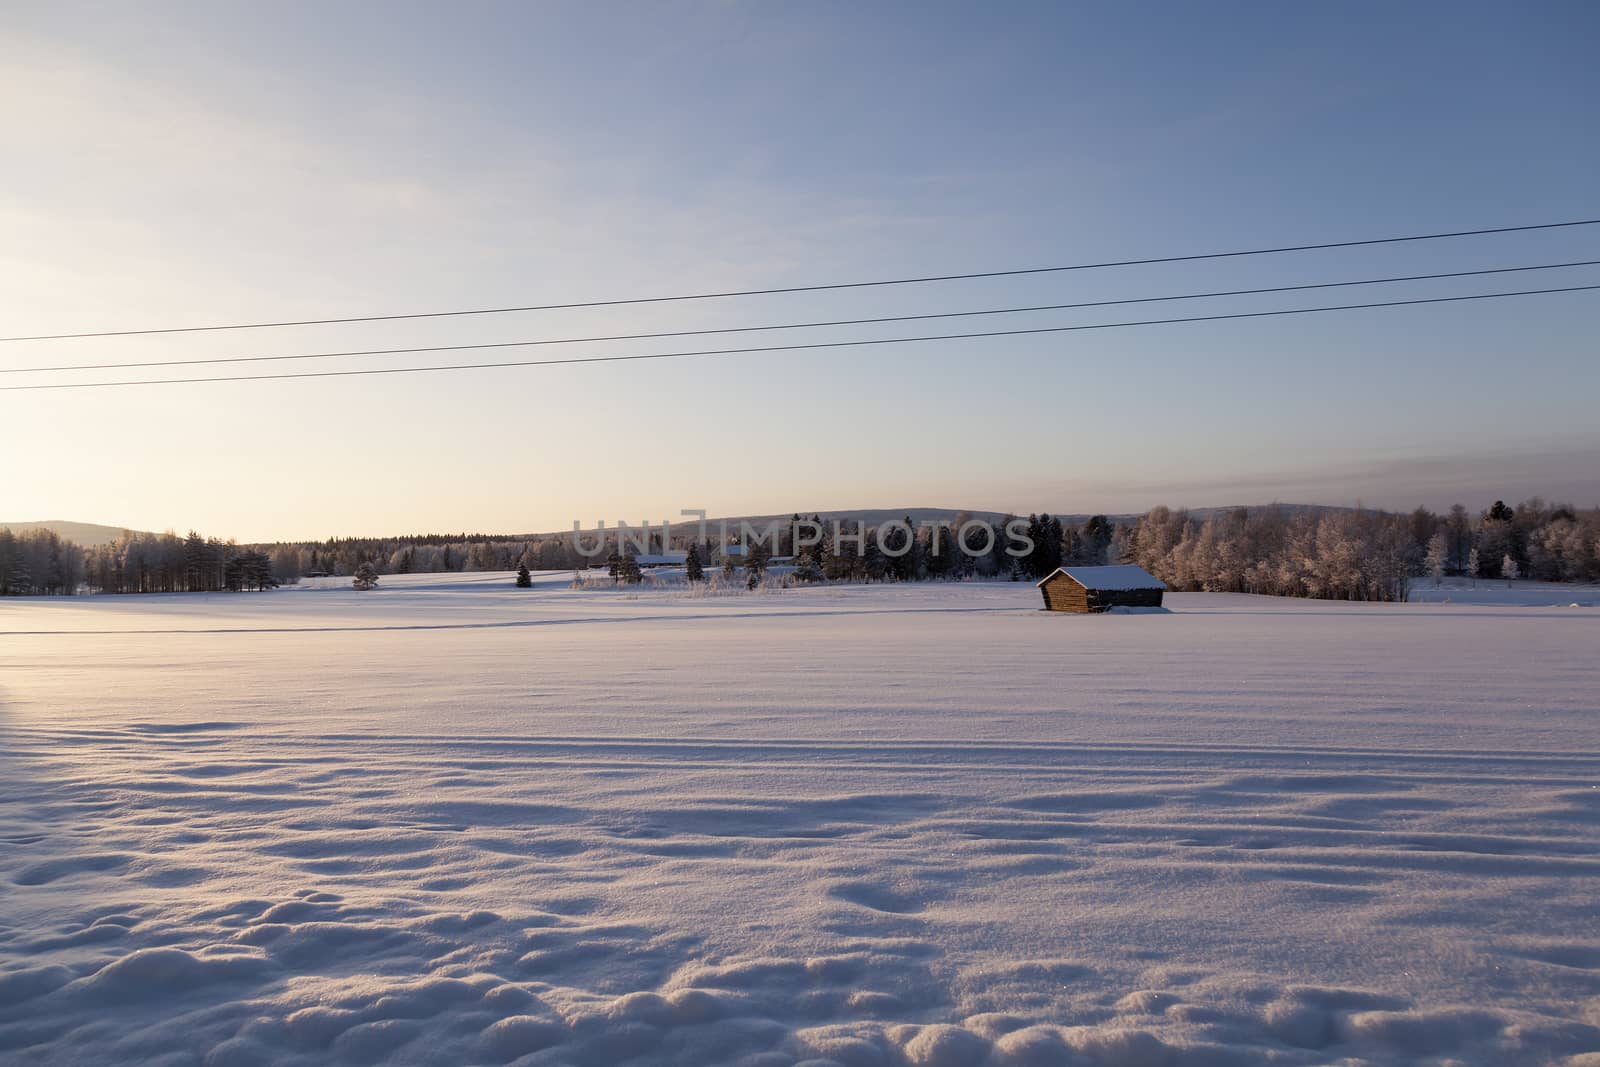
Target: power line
{"x": 791, "y": 325}
{"x": 814, "y": 288}
{"x": 792, "y": 348}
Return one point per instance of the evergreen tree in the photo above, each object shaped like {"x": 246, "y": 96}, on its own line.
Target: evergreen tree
{"x": 1095, "y": 539}
{"x": 524, "y": 579}
{"x": 258, "y": 571}
{"x": 629, "y": 569}
{"x": 808, "y": 570}
{"x": 1030, "y": 562}
{"x": 940, "y": 555}
{"x": 233, "y": 574}
{"x": 1053, "y": 545}
{"x": 842, "y": 559}
{"x": 823, "y": 549}
{"x": 755, "y": 563}
{"x": 909, "y": 566}
{"x": 873, "y": 566}
{"x": 366, "y": 576}
{"x": 693, "y": 570}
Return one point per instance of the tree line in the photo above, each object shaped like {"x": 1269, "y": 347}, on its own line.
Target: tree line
{"x": 1365, "y": 555}
{"x": 1286, "y": 551}
{"x": 41, "y": 563}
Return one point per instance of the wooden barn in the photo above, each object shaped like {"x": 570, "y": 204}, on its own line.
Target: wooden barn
{"x": 1086, "y": 589}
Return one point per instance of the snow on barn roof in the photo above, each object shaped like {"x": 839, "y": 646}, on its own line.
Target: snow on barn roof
{"x": 1120, "y": 577}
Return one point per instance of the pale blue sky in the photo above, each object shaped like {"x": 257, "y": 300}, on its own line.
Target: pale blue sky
{"x": 175, "y": 164}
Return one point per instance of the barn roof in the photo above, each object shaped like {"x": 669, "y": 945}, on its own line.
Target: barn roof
{"x": 1125, "y": 576}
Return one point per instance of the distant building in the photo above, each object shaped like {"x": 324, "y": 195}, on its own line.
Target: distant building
{"x": 662, "y": 559}
{"x": 1086, "y": 589}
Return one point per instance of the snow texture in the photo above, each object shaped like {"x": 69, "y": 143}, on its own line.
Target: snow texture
{"x": 453, "y": 822}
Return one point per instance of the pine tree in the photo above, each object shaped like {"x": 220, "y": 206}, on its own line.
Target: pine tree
{"x": 524, "y": 579}
{"x": 1095, "y": 539}
{"x": 808, "y": 570}
{"x": 629, "y": 569}
{"x": 1054, "y": 544}
{"x": 366, "y": 576}
{"x": 872, "y": 563}
{"x": 693, "y": 570}
{"x": 755, "y": 564}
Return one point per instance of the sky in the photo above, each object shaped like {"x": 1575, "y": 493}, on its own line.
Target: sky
{"x": 193, "y": 164}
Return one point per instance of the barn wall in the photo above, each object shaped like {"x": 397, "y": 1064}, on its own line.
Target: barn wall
{"x": 1101, "y": 599}
{"x": 1063, "y": 594}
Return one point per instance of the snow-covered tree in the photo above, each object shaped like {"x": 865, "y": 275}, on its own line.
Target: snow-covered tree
{"x": 1438, "y": 555}
{"x": 366, "y": 576}
{"x": 1509, "y": 569}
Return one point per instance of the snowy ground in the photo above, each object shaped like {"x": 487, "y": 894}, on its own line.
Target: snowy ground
{"x": 451, "y": 822}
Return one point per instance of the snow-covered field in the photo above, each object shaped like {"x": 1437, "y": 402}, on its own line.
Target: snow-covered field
{"x": 451, "y": 822}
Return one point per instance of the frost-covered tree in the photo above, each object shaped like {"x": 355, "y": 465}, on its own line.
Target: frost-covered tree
{"x": 1474, "y": 563}
{"x": 1509, "y": 569}
{"x": 808, "y": 570}
{"x": 1438, "y": 555}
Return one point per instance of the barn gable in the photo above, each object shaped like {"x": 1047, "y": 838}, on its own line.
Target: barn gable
{"x": 1090, "y": 589}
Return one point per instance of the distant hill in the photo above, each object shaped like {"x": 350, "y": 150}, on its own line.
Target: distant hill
{"x": 87, "y": 534}
{"x": 875, "y": 516}
{"x": 91, "y": 535}
{"x": 866, "y": 516}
